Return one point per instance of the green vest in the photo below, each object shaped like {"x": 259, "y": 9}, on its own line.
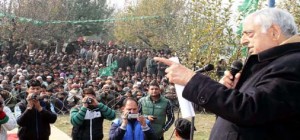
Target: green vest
{"x": 158, "y": 109}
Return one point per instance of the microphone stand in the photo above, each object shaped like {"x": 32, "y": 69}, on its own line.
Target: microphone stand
{"x": 192, "y": 128}
{"x": 174, "y": 129}
{"x": 116, "y": 103}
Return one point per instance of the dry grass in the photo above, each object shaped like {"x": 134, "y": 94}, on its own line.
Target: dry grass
{"x": 203, "y": 124}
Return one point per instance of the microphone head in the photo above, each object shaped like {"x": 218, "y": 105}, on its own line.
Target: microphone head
{"x": 206, "y": 68}
{"x": 237, "y": 65}
{"x": 209, "y": 67}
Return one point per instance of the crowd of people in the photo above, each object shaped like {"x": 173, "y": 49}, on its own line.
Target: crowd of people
{"x": 261, "y": 102}
{"x": 63, "y": 76}
{"x": 71, "y": 79}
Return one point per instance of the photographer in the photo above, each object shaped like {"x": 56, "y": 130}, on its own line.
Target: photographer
{"x": 34, "y": 115}
{"x": 87, "y": 119}
{"x": 131, "y": 125}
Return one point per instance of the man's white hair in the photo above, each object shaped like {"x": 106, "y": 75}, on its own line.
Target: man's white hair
{"x": 268, "y": 16}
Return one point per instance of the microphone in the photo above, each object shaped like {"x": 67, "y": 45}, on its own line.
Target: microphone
{"x": 235, "y": 67}
{"x": 206, "y": 68}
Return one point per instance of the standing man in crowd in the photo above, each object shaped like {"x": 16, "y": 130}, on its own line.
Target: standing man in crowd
{"x": 263, "y": 101}
{"x": 132, "y": 125}
{"x": 156, "y": 108}
{"x": 34, "y": 115}
{"x": 87, "y": 119}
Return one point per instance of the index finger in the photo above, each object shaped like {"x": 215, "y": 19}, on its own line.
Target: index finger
{"x": 164, "y": 60}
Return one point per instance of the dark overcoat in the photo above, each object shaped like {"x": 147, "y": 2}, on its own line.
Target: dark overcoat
{"x": 265, "y": 105}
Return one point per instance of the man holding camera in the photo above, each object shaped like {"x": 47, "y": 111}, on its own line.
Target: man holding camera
{"x": 34, "y": 115}
{"x": 131, "y": 125}
{"x": 87, "y": 119}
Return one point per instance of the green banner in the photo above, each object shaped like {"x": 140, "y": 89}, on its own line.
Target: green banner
{"x": 248, "y": 7}
{"x": 108, "y": 71}
{"x": 39, "y": 22}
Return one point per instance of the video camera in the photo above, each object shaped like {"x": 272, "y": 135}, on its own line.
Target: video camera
{"x": 89, "y": 101}
{"x": 132, "y": 116}
{"x": 34, "y": 97}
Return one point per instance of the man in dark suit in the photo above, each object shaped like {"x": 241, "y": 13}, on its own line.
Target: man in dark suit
{"x": 263, "y": 101}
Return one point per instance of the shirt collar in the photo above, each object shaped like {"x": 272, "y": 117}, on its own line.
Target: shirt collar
{"x": 290, "y": 45}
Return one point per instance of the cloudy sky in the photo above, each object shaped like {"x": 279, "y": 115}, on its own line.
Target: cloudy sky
{"x": 120, "y": 4}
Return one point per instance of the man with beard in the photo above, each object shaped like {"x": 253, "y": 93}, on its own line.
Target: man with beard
{"x": 109, "y": 97}
{"x": 156, "y": 108}
{"x": 131, "y": 125}
{"x": 87, "y": 119}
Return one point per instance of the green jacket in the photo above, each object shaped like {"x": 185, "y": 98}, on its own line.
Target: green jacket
{"x": 161, "y": 109}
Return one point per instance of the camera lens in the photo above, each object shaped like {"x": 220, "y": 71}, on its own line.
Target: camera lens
{"x": 89, "y": 101}
{"x": 34, "y": 97}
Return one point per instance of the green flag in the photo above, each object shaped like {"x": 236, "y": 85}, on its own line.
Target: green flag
{"x": 108, "y": 71}
{"x": 248, "y": 7}
{"x": 105, "y": 72}
{"x": 114, "y": 65}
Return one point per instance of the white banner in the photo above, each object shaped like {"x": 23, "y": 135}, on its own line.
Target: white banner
{"x": 186, "y": 107}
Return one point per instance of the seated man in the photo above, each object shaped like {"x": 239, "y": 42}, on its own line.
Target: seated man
{"x": 131, "y": 125}
{"x": 182, "y": 129}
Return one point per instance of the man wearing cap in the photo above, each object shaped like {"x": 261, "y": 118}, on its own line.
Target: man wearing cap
{"x": 74, "y": 95}
{"x": 49, "y": 79}
{"x": 39, "y": 78}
